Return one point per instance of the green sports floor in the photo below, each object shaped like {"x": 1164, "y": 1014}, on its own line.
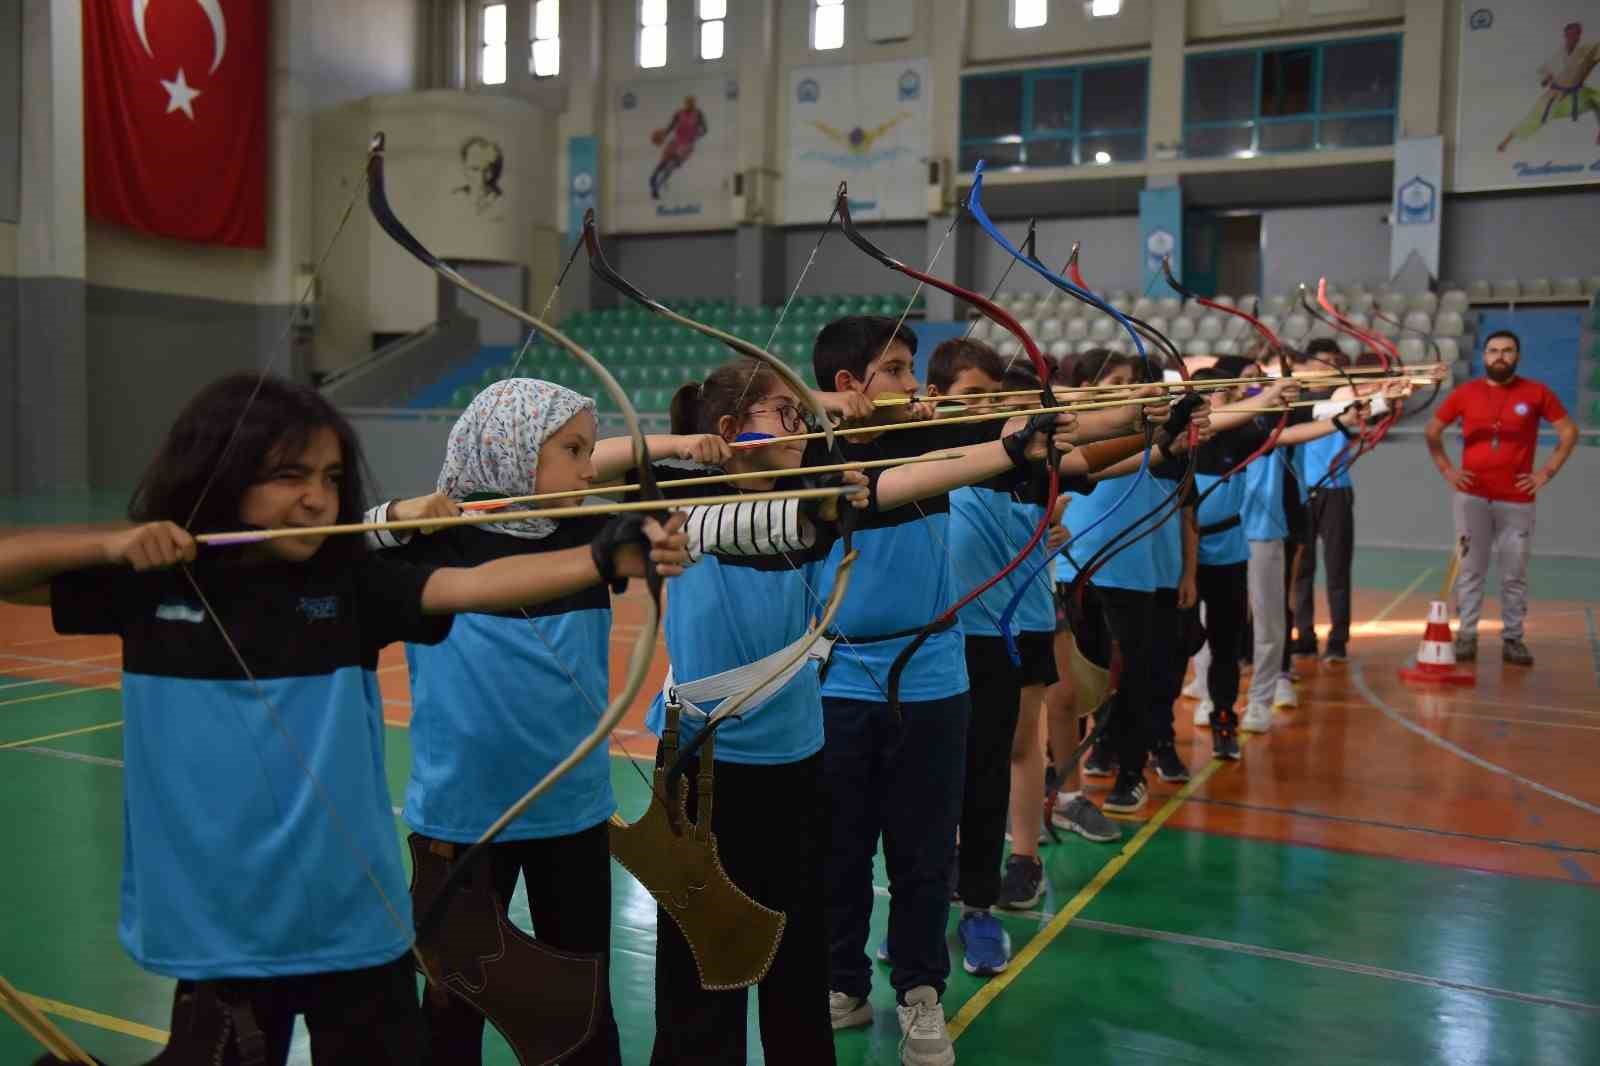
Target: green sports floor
{"x": 1389, "y": 876}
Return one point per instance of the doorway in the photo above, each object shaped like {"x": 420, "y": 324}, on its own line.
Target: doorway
{"x": 1222, "y": 252}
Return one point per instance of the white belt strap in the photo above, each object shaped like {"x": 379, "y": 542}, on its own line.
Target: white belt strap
{"x": 732, "y": 682}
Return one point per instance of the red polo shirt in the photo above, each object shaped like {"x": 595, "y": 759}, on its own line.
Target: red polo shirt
{"x": 1509, "y": 415}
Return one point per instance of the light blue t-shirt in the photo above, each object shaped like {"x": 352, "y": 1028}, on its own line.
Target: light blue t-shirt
{"x": 1315, "y": 458}
{"x": 1217, "y": 505}
{"x": 987, "y": 529}
{"x": 1262, "y": 507}
{"x": 758, "y": 607}
{"x": 1133, "y": 568}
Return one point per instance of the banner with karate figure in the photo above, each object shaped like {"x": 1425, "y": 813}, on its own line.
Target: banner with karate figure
{"x": 1528, "y": 108}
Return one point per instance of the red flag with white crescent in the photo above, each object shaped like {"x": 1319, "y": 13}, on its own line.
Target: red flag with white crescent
{"x": 175, "y": 117}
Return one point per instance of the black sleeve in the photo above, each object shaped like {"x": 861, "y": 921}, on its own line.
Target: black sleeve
{"x": 389, "y": 594}
{"x": 99, "y": 600}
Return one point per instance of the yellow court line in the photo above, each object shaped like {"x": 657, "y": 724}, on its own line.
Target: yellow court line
{"x": 55, "y": 695}
{"x": 96, "y": 1019}
{"x": 991, "y": 990}
{"x": 31, "y": 741}
{"x": 1397, "y": 601}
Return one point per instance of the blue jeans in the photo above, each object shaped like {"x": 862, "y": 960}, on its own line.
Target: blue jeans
{"x": 903, "y": 780}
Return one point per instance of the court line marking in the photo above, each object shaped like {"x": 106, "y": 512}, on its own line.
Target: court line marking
{"x": 1389, "y": 607}
{"x": 1511, "y": 721}
{"x": 57, "y": 639}
{"x": 1359, "y": 677}
{"x": 31, "y": 741}
{"x": 71, "y": 756}
{"x": 100, "y": 1021}
{"x": 1322, "y": 962}
{"x": 78, "y": 673}
{"x": 972, "y": 1008}
{"x": 1375, "y": 823}
{"x": 1594, "y": 642}
{"x": 58, "y": 695}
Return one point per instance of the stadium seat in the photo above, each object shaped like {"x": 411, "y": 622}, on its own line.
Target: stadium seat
{"x": 1077, "y": 329}
{"x": 1182, "y": 328}
{"x": 1412, "y": 350}
{"x": 1449, "y": 324}
{"x": 1418, "y": 322}
{"x": 1102, "y": 328}
{"x": 1423, "y": 301}
{"x": 1209, "y": 327}
{"x": 1449, "y": 351}
{"x": 1507, "y": 289}
{"x": 1196, "y": 346}
{"x": 1391, "y": 302}
{"x": 1296, "y": 326}
{"x": 1536, "y": 288}
{"x": 1567, "y": 288}
{"x": 1349, "y": 345}
{"x": 1169, "y": 307}
{"x": 1454, "y": 300}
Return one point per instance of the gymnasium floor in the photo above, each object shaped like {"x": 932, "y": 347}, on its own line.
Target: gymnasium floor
{"x": 1388, "y": 876}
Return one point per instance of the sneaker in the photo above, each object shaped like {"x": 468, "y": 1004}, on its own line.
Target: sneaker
{"x": 1022, "y": 883}
{"x": 1195, "y": 689}
{"x": 1225, "y": 741}
{"x": 847, "y": 1011}
{"x": 985, "y": 945}
{"x": 924, "y": 1040}
{"x": 1284, "y": 695}
{"x": 1169, "y": 767}
{"x": 1335, "y": 653}
{"x": 1080, "y": 815}
{"x": 1202, "y": 713}
{"x": 1257, "y": 719}
{"x": 1129, "y": 794}
{"x": 1466, "y": 649}
{"x": 883, "y": 953}
{"x": 1304, "y": 647}
{"x": 1100, "y": 762}
{"x": 1515, "y": 652}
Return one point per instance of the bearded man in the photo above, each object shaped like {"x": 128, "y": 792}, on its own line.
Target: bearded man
{"x": 1495, "y": 486}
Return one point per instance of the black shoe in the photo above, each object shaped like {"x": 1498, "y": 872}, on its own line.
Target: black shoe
{"x": 1022, "y": 883}
{"x": 1304, "y": 647}
{"x": 1224, "y": 742}
{"x": 1168, "y": 766}
{"x": 1335, "y": 653}
{"x": 1100, "y": 763}
{"x": 1129, "y": 794}
{"x": 1515, "y": 652}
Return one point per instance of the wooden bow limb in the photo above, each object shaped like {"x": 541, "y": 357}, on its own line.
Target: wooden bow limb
{"x": 250, "y": 536}
{"x": 712, "y": 479}
{"x": 42, "y": 1029}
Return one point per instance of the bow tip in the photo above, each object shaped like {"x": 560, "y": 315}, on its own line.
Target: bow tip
{"x": 375, "y": 146}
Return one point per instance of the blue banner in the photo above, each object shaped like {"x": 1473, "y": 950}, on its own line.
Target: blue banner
{"x": 583, "y": 181}
{"x": 1161, "y": 234}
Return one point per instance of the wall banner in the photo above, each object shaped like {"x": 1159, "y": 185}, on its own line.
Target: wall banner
{"x": 1417, "y": 208}
{"x": 867, "y": 125}
{"x": 1526, "y": 114}
{"x": 672, "y": 154}
{"x": 1161, "y": 234}
{"x": 583, "y": 180}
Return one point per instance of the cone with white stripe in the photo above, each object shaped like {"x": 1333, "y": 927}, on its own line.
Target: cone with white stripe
{"x": 1435, "y": 663}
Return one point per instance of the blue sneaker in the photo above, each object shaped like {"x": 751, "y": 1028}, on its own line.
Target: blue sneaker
{"x": 984, "y": 943}
{"x": 883, "y": 951}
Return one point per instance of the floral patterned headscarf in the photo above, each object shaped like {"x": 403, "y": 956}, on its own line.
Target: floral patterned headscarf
{"x": 494, "y": 445}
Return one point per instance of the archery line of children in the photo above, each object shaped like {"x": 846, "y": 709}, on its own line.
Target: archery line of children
{"x": 262, "y": 869}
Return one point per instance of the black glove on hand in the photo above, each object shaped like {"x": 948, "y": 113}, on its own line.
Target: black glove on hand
{"x": 621, "y": 531}
{"x": 1016, "y": 444}
{"x": 1178, "y": 419}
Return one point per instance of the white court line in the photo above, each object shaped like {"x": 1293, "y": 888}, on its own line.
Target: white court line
{"x": 1431, "y": 737}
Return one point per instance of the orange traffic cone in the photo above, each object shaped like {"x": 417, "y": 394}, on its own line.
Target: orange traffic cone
{"x": 1435, "y": 663}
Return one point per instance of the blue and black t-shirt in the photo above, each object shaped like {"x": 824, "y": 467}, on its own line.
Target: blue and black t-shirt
{"x": 234, "y": 863}
{"x": 506, "y": 697}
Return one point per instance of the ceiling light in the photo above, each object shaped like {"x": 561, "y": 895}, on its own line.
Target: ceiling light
{"x": 1102, "y": 157}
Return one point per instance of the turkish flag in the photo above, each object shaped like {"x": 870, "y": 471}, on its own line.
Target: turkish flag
{"x": 175, "y": 117}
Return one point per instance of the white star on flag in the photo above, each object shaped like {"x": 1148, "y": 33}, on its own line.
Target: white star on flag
{"x": 179, "y": 96}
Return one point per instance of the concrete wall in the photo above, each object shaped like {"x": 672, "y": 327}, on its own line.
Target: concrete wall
{"x": 1110, "y": 256}
{"x": 10, "y": 108}
{"x": 843, "y": 268}
{"x": 1345, "y": 242}
{"x": 1521, "y": 235}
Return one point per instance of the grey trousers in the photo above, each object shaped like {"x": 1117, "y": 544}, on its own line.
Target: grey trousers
{"x": 1269, "y": 615}
{"x": 1486, "y": 528}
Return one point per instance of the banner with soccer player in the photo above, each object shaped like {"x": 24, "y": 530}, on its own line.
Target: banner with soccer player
{"x": 1527, "y": 113}
{"x": 672, "y": 154}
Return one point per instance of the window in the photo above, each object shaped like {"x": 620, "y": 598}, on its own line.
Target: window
{"x": 1337, "y": 94}
{"x": 1071, "y": 116}
{"x": 1104, "y": 9}
{"x": 1029, "y": 14}
{"x": 492, "y": 51}
{"x": 827, "y": 25}
{"x": 713, "y": 19}
{"x": 652, "y": 33}
{"x": 545, "y": 60}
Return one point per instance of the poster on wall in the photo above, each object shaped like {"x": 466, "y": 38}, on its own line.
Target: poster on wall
{"x": 673, "y": 154}
{"x": 1527, "y": 114}
{"x": 867, "y": 125}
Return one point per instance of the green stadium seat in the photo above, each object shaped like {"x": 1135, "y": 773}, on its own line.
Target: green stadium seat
{"x": 1594, "y": 413}
{"x": 463, "y": 396}
{"x": 1594, "y": 379}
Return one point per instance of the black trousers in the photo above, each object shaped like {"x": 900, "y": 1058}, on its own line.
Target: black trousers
{"x": 996, "y": 688}
{"x": 569, "y": 899}
{"x": 1130, "y": 621}
{"x": 771, "y": 823}
{"x": 365, "y": 1016}
{"x": 1225, "y": 593}
{"x": 1333, "y": 521}
{"x": 1168, "y": 665}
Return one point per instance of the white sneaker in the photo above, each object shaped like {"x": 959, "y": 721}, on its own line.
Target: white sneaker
{"x": 924, "y": 1040}
{"x": 1195, "y": 689}
{"x": 850, "y": 1012}
{"x": 1257, "y": 719}
{"x": 1202, "y": 714}
{"x": 1284, "y": 695}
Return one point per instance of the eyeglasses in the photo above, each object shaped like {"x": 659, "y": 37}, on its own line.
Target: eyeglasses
{"x": 789, "y": 416}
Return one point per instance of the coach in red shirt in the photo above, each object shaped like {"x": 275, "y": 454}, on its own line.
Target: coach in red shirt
{"x": 1495, "y": 486}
